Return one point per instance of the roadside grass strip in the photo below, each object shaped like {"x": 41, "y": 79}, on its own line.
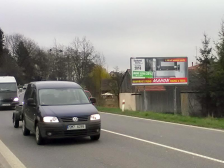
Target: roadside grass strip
{"x": 215, "y": 123}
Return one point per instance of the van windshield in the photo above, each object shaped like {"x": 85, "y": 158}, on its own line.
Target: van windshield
{"x": 65, "y": 96}
{"x": 4, "y": 87}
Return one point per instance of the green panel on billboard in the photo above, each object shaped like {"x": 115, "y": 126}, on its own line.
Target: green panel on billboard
{"x": 146, "y": 74}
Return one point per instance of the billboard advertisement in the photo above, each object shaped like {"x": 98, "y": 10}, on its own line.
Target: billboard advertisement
{"x": 159, "y": 70}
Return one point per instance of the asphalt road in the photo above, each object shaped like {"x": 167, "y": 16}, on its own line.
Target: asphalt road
{"x": 125, "y": 143}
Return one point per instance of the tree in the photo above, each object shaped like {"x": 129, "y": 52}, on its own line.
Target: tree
{"x": 81, "y": 55}
{"x": 57, "y": 62}
{"x": 204, "y": 72}
{"x": 1, "y": 41}
{"x": 12, "y": 43}
{"x": 41, "y": 64}
{"x": 25, "y": 62}
{"x": 8, "y": 66}
{"x": 218, "y": 76}
{"x": 96, "y": 76}
{"x": 220, "y": 47}
{"x": 1, "y": 47}
{"x": 116, "y": 79}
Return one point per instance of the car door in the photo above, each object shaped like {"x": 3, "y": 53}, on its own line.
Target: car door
{"x": 32, "y": 110}
{"x": 25, "y": 105}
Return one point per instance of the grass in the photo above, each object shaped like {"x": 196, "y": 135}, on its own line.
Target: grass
{"x": 217, "y": 123}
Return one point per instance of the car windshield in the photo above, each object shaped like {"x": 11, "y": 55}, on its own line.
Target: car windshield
{"x": 65, "y": 96}
{"x": 7, "y": 87}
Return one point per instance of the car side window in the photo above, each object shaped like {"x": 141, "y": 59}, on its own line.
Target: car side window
{"x": 33, "y": 95}
{"x": 27, "y": 93}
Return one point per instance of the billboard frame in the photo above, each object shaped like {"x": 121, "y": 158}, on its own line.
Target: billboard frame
{"x": 164, "y": 84}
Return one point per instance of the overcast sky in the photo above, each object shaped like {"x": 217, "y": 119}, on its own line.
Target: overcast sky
{"x": 119, "y": 29}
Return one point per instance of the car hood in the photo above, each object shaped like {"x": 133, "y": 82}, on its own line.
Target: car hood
{"x": 68, "y": 110}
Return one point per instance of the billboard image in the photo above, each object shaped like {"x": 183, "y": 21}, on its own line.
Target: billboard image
{"x": 159, "y": 70}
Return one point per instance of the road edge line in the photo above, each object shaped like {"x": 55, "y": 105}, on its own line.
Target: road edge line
{"x": 12, "y": 160}
{"x": 166, "y": 146}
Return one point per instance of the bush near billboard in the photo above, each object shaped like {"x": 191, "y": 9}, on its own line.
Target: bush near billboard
{"x": 159, "y": 70}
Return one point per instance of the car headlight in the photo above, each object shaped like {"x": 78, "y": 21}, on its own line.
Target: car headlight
{"x": 50, "y": 119}
{"x": 16, "y": 99}
{"x": 95, "y": 117}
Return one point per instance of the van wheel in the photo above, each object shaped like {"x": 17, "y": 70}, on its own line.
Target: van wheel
{"x": 39, "y": 138}
{"x": 24, "y": 129}
{"x": 15, "y": 122}
{"x": 95, "y": 137}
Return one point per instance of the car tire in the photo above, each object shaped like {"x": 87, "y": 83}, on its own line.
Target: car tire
{"x": 39, "y": 139}
{"x": 24, "y": 129}
{"x": 15, "y": 122}
{"x": 95, "y": 137}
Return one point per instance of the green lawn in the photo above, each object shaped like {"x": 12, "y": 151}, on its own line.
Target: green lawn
{"x": 202, "y": 122}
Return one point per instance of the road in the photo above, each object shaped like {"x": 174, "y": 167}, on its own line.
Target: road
{"x": 125, "y": 143}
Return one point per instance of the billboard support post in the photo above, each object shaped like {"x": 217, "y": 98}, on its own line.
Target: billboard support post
{"x": 175, "y": 100}
{"x": 145, "y": 100}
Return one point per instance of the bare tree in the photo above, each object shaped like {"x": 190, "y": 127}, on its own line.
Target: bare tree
{"x": 81, "y": 55}
{"x": 116, "y": 79}
{"x": 12, "y": 43}
{"x": 57, "y": 62}
{"x": 41, "y": 65}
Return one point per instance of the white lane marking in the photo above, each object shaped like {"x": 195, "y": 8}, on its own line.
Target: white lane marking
{"x": 12, "y": 160}
{"x": 165, "y": 146}
{"x": 166, "y": 122}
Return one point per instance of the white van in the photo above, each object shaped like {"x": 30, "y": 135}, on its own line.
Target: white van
{"x": 8, "y": 91}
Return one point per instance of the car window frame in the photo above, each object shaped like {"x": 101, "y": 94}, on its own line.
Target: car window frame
{"x": 34, "y": 95}
{"x": 27, "y": 93}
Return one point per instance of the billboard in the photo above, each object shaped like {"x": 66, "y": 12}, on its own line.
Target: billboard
{"x": 159, "y": 70}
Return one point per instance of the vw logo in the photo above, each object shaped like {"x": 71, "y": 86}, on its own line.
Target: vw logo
{"x": 75, "y": 119}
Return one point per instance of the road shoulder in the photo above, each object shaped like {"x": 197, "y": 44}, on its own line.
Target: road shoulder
{"x": 3, "y": 162}
{"x": 9, "y": 157}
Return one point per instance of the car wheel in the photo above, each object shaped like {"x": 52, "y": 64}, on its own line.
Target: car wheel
{"x": 39, "y": 138}
{"x": 15, "y": 122}
{"x": 24, "y": 129}
{"x": 95, "y": 137}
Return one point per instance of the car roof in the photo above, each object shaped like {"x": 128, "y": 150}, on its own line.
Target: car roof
{"x": 7, "y": 79}
{"x": 56, "y": 84}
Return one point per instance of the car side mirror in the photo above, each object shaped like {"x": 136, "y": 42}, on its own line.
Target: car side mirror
{"x": 93, "y": 100}
{"x": 31, "y": 102}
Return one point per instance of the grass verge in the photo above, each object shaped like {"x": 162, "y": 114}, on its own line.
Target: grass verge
{"x": 217, "y": 123}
